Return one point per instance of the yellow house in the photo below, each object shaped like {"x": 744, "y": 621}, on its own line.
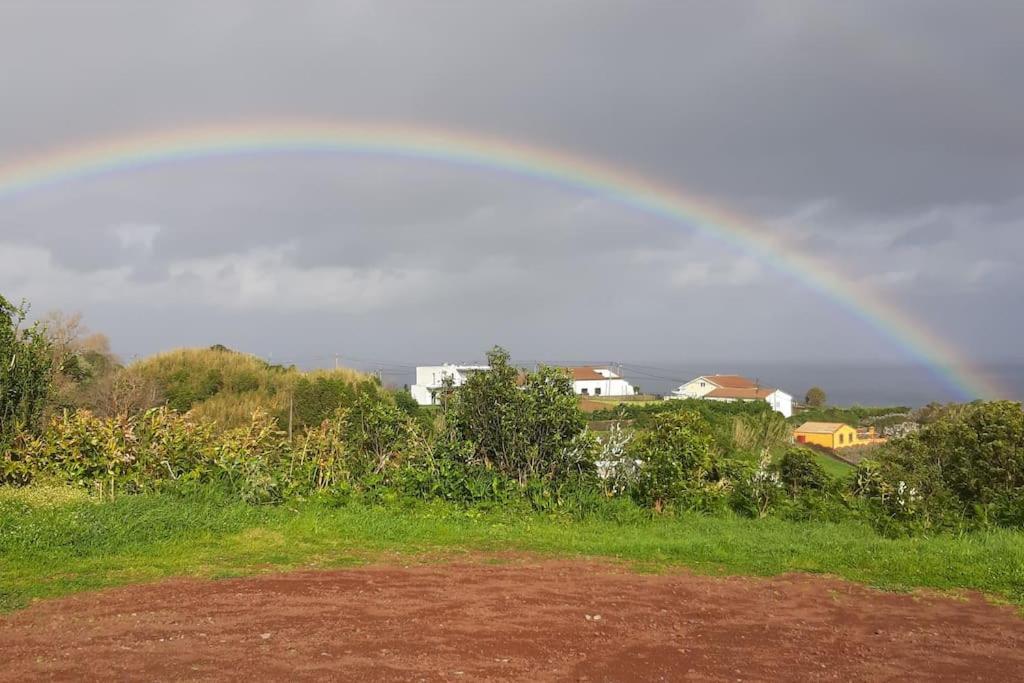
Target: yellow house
{"x": 827, "y": 434}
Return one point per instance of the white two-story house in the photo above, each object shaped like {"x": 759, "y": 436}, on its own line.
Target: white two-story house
{"x": 430, "y": 379}
{"x": 590, "y": 381}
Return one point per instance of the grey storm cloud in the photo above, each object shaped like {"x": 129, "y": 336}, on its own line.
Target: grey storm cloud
{"x": 924, "y": 235}
{"x": 883, "y": 139}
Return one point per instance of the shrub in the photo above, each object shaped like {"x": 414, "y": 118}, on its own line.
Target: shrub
{"x": 617, "y": 467}
{"x": 254, "y": 460}
{"x": 25, "y": 373}
{"x": 966, "y": 465}
{"x": 117, "y": 454}
{"x": 799, "y": 471}
{"x": 759, "y": 433}
{"x": 756, "y": 488}
{"x": 525, "y": 427}
{"x": 226, "y": 387}
{"x": 675, "y": 452}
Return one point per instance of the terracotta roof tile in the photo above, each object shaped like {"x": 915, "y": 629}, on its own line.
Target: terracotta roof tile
{"x": 588, "y": 373}
{"x": 732, "y": 381}
{"x": 741, "y": 392}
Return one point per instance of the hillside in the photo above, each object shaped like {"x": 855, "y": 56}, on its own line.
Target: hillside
{"x": 227, "y": 386}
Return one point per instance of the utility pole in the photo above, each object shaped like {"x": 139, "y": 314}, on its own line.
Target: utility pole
{"x": 291, "y": 414}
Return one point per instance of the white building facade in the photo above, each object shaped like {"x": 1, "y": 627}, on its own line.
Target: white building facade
{"x": 589, "y": 381}
{"x": 430, "y": 379}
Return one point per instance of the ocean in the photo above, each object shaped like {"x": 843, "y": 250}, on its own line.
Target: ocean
{"x": 843, "y": 384}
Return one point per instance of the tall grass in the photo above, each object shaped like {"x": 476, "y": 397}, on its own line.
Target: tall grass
{"x": 56, "y": 542}
{"x": 226, "y": 386}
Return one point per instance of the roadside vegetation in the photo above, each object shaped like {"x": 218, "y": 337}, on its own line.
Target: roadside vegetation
{"x": 223, "y": 463}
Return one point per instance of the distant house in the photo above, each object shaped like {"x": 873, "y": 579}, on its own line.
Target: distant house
{"x": 591, "y": 381}
{"x": 430, "y": 379}
{"x": 832, "y": 435}
{"x": 730, "y": 388}
{"x": 586, "y": 381}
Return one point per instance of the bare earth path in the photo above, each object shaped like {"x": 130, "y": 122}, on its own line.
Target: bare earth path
{"x": 526, "y": 619}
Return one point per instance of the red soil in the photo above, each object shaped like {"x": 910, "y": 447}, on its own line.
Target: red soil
{"x": 526, "y": 619}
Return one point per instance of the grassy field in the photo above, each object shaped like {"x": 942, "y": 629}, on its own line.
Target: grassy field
{"x": 55, "y": 541}
{"x": 834, "y": 468}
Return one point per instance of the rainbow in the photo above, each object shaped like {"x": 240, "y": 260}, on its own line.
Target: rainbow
{"x": 134, "y": 152}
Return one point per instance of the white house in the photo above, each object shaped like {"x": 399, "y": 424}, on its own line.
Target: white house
{"x": 589, "y": 381}
{"x": 430, "y": 378}
{"x": 731, "y": 388}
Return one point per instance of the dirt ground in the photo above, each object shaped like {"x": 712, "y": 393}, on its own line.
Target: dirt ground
{"x": 517, "y": 618}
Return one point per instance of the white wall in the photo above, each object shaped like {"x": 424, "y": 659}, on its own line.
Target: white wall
{"x": 608, "y": 387}
{"x": 432, "y": 377}
{"x": 422, "y": 394}
{"x": 781, "y": 402}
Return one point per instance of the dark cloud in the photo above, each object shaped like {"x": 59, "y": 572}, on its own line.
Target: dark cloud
{"x": 885, "y": 140}
{"x": 924, "y": 235}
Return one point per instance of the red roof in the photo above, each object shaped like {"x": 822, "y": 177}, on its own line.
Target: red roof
{"x": 732, "y": 381}
{"x": 587, "y": 373}
{"x": 741, "y": 392}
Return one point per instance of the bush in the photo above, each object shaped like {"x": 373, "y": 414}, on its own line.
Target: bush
{"x": 799, "y": 471}
{"x": 25, "y": 374}
{"x": 755, "y": 488}
{"x": 966, "y": 466}
{"x": 675, "y": 451}
{"x": 525, "y": 426}
{"x": 118, "y": 454}
{"x": 224, "y": 386}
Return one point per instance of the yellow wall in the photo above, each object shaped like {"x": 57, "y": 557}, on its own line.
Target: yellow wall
{"x": 848, "y": 433}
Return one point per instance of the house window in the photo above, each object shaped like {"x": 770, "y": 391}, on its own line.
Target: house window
{"x": 597, "y": 391}
{"x": 840, "y": 438}
{"x": 702, "y": 385}
{"x": 584, "y": 391}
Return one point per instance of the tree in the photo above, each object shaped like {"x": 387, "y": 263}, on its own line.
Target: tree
{"x": 122, "y": 391}
{"x": 525, "y": 425}
{"x": 675, "y": 452}
{"x": 25, "y": 372}
{"x": 80, "y": 359}
{"x": 815, "y": 397}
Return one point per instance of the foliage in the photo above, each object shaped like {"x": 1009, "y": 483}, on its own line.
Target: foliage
{"x": 147, "y": 452}
{"x": 528, "y": 429}
{"x": 760, "y": 433}
{"x": 26, "y": 365}
{"x": 225, "y": 387}
{"x": 713, "y": 412}
{"x": 757, "y": 488}
{"x": 617, "y": 466}
{"x": 83, "y": 364}
{"x": 799, "y": 471}
{"x": 966, "y": 466}
{"x": 110, "y": 455}
{"x": 815, "y": 397}
{"x": 852, "y": 415}
{"x": 317, "y": 397}
{"x": 504, "y": 439}
{"x": 675, "y": 450}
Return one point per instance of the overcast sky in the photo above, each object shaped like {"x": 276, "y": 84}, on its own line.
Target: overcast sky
{"x": 886, "y": 138}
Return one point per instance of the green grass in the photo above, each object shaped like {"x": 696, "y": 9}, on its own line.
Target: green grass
{"x": 836, "y": 469}
{"x": 51, "y": 545}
